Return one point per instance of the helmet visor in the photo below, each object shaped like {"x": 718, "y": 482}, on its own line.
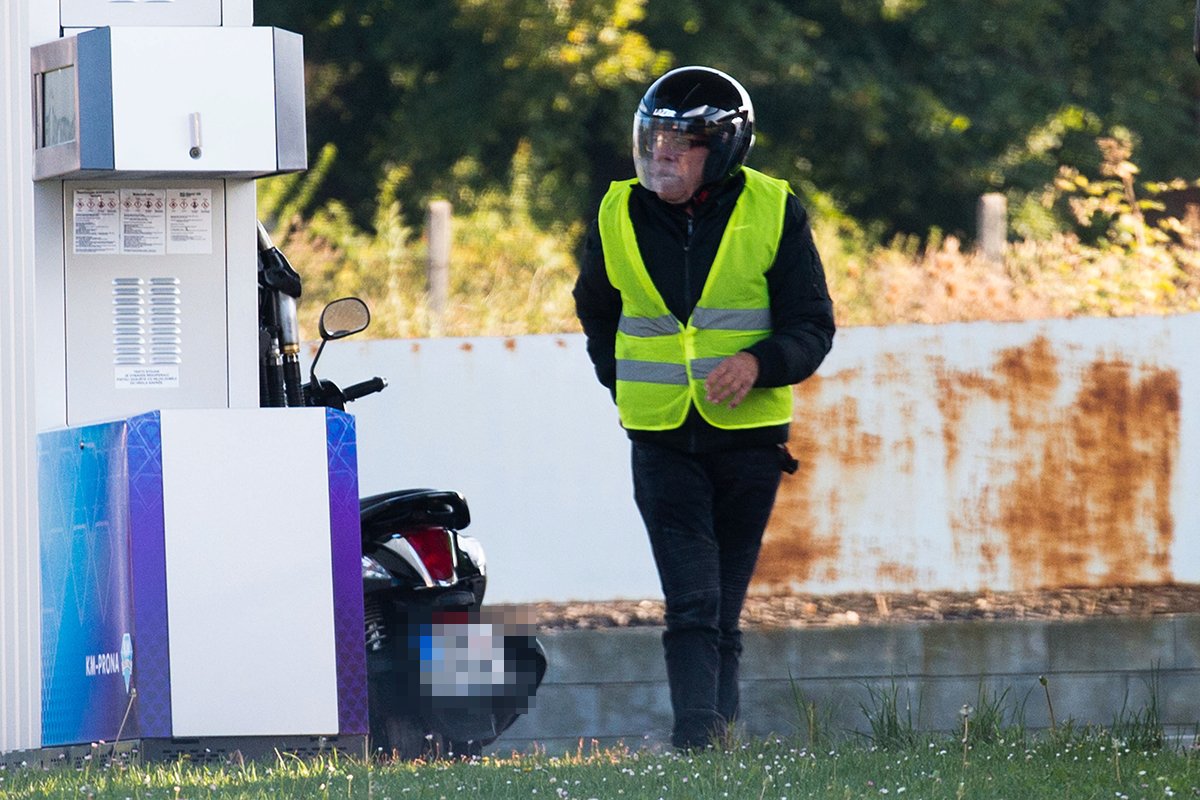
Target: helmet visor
{"x": 661, "y": 153}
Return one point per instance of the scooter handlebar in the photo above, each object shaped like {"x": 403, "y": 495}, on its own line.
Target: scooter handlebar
{"x": 363, "y": 389}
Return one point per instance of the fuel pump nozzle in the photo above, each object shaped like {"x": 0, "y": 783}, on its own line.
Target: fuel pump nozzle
{"x": 282, "y": 284}
{"x": 264, "y": 238}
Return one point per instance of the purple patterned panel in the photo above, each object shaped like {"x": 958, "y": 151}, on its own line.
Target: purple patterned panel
{"x": 151, "y": 655}
{"x": 346, "y": 551}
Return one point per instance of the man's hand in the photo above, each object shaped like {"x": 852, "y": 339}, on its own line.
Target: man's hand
{"x": 732, "y": 379}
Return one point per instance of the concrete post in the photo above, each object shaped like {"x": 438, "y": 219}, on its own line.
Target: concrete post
{"x": 20, "y": 618}
{"x": 992, "y": 224}
{"x": 438, "y": 231}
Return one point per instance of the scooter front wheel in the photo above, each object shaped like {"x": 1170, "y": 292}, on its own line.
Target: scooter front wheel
{"x": 406, "y": 738}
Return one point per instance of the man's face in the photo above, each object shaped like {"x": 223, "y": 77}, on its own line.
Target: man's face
{"x": 677, "y": 165}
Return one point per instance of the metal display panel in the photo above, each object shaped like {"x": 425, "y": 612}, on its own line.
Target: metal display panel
{"x": 143, "y": 102}
{"x": 145, "y": 284}
{"x": 188, "y": 99}
{"x": 279, "y": 629}
{"x": 57, "y": 116}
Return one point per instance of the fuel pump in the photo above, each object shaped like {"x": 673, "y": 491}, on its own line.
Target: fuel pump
{"x": 181, "y": 612}
{"x": 148, "y": 141}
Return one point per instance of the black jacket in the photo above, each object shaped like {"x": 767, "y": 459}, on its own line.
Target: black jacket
{"x": 678, "y": 249}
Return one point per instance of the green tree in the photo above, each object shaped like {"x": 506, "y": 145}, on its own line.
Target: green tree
{"x": 902, "y": 111}
{"x": 906, "y": 110}
{"x": 450, "y": 90}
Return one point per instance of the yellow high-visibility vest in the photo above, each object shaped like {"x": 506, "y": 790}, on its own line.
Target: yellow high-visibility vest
{"x": 662, "y": 362}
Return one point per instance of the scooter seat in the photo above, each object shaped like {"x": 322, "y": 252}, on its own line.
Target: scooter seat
{"x": 408, "y": 507}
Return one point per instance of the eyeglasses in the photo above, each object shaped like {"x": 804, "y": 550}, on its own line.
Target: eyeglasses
{"x": 676, "y": 143}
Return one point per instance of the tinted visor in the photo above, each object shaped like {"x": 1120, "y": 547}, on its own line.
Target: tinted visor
{"x": 675, "y": 136}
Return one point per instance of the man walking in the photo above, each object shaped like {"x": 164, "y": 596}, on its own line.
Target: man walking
{"x": 703, "y": 299}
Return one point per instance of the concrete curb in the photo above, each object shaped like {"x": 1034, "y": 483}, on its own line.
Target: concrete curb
{"x": 609, "y": 686}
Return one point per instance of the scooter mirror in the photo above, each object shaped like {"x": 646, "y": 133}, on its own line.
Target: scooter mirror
{"x": 344, "y": 317}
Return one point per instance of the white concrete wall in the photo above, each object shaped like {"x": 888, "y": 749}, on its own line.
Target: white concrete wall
{"x": 966, "y": 456}
{"x": 20, "y": 705}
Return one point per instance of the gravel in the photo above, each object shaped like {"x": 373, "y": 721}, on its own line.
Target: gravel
{"x": 799, "y": 611}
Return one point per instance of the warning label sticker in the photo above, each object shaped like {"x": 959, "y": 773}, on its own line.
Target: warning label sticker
{"x": 97, "y": 221}
{"x": 147, "y": 377}
{"x": 189, "y": 221}
{"x": 144, "y": 221}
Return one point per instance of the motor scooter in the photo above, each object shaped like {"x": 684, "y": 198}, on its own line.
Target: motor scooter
{"x": 445, "y": 675}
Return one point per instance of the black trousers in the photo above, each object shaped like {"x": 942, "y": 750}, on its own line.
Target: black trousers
{"x": 705, "y": 514}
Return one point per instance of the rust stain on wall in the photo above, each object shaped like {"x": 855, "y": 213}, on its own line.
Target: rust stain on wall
{"x": 1097, "y": 510}
{"x": 891, "y": 370}
{"x": 1075, "y": 493}
{"x": 826, "y": 424}
{"x": 1058, "y": 470}
{"x": 893, "y": 573}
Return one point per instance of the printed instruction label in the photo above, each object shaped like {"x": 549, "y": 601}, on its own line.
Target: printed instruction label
{"x": 148, "y": 377}
{"x": 189, "y": 221}
{"x": 144, "y": 221}
{"x": 97, "y": 221}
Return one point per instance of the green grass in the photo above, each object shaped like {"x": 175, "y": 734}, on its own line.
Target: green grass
{"x": 1086, "y": 766}
{"x": 890, "y": 718}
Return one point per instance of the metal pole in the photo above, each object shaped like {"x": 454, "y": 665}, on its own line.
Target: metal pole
{"x": 20, "y": 590}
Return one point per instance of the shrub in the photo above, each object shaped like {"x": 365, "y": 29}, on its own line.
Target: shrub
{"x": 1088, "y": 249}
{"x": 508, "y": 275}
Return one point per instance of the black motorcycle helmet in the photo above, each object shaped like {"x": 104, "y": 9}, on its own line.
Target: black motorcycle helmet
{"x": 703, "y": 104}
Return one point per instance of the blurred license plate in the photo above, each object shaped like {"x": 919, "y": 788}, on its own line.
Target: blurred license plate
{"x": 463, "y": 659}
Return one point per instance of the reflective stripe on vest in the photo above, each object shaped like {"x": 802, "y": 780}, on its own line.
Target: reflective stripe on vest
{"x": 661, "y": 362}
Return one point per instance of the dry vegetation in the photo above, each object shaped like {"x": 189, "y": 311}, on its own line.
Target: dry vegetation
{"x": 1101, "y": 246}
{"x": 1088, "y": 247}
